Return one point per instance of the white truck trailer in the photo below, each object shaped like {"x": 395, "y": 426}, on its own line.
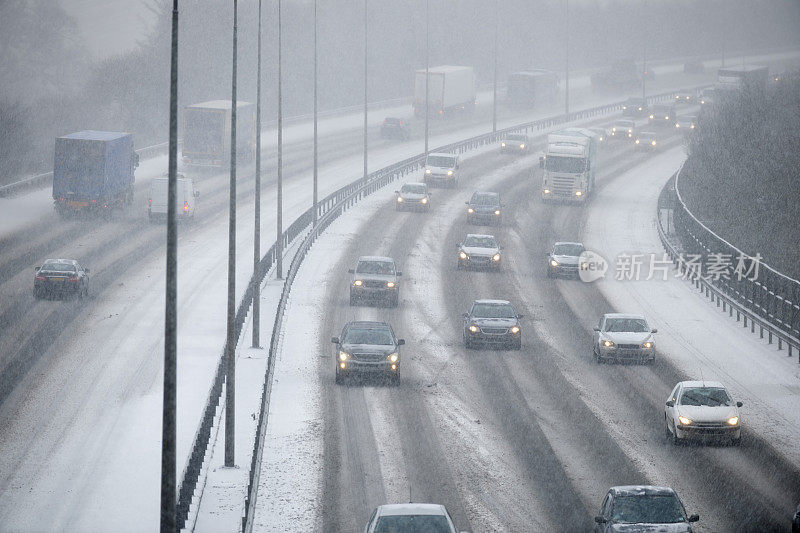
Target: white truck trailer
{"x": 532, "y": 87}
{"x": 569, "y": 164}
{"x": 451, "y": 90}
{"x": 207, "y": 133}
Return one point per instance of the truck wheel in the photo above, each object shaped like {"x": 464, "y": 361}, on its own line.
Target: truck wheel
{"x": 395, "y": 300}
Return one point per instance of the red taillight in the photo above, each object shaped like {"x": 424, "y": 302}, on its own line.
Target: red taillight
{"x": 149, "y": 201}
{"x": 74, "y": 278}
{"x": 185, "y": 205}
{"x": 41, "y": 278}
{"x": 94, "y": 201}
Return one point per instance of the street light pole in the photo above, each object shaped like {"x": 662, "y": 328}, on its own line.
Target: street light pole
{"x": 494, "y": 100}
{"x": 566, "y": 77}
{"x": 365, "y": 89}
{"x": 315, "y": 117}
{"x": 257, "y": 223}
{"x": 279, "y": 239}
{"x": 644, "y": 53}
{"x": 168, "y": 474}
{"x": 230, "y": 343}
{"x": 427, "y": 73}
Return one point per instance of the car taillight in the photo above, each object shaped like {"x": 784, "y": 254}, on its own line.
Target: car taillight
{"x": 185, "y": 205}
{"x": 149, "y": 201}
{"x": 41, "y": 278}
{"x": 74, "y": 278}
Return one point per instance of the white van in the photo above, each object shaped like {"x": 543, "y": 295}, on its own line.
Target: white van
{"x": 186, "y": 198}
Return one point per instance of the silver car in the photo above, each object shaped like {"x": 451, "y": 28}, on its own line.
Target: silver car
{"x": 411, "y": 518}
{"x": 623, "y": 337}
{"x": 702, "y": 409}
{"x": 480, "y": 251}
{"x": 375, "y": 280}
{"x": 413, "y": 196}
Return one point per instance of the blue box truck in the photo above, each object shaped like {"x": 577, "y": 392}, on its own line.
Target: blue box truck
{"x": 93, "y": 170}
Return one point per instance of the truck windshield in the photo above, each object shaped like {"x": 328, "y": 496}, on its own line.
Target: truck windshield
{"x": 204, "y": 132}
{"x": 574, "y": 165}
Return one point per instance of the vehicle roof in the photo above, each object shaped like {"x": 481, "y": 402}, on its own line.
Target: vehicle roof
{"x": 625, "y": 121}
{"x": 95, "y": 135}
{"x": 73, "y": 261}
{"x": 393, "y": 118}
{"x": 624, "y": 315}
{"x": 648, "y": 134}
{"x": 479, "y": 235}
{"x": 517, "y": 134}
{"x": 414, "y": 183}
{"x": 744, "y": 68}
{"x": 446, "y": 68}
{"x": 375, "y": 258}
{"x": 567, "y": 242}
{"x": 532, "y": 72}
{"x": 492, "y": 302}
{"x": 486, "y": 193}
{"x": 641, "y": 490}
{"x": 219, "y": 104}
{"x": 442, "y": 153}
{"x": 368, "y": 324}
{"x": 687, "y": 117}
{"x": 713, "y": 384}
{"x": 411, "y": 509}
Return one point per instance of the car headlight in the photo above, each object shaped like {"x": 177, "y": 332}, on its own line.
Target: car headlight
{"x": 653, "y": 143}
{"x": 522, "y": 145}
{"x": 390, "y": 284}
{"x": 640, "y": 109}
{"x": 496, "y": 257}
{"x": 578, "y": 193}
{"x": 358, "y": 283}
{"x": 400, "y": 199}
{"x": 473, "y": 328}
{"x": 424, "y": 201}
{"x": 648, "y": 345}
{"x": 608, "y": 343}
{"x": 685, "y": 421}
{"x": 427, "y": 171}
{"x": 630, "y": 134}
{"x": 677, "y": 125}
{"x": 637, "y": 141}
{"x": 691, "y": 127}
{"x": 733, "y": 421}
{"x": 546, "y": 191}
{"x": 514, "y": 329}
{"x": 503, "y": 145}
{"x": 624, "y": 107}
{"x": 651, "y": 116}
{"x": 393, "y": 357}
{"x": 553, "y": 262}
{"x": 344, "y": 356}
{"x": 470, "y": 210}
{"x": 614, "y": 129}
{"x": 496, "y": 211}
{"x": 449, "y": 172}
{"x": 463, "y": 255}
{"x": 666, "y": 117}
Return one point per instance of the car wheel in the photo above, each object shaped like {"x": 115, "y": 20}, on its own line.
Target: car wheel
{"x": 37, "y": 295}
{"x": 339, "y": 378}
{"x": 549, "y": 273}
{"x": 736, "y": 441}
{"x": 676, "y": 441}
{"x": 394, "y": 378}
{"x": 395, "y": 300}
{"x": 517, "y": 345}
{"x": 667, "y": 432}
{"x": 353, "y": 300}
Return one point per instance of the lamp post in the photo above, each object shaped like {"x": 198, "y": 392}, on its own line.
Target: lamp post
{"x": 566, "y": 53}
{"x": 315, "y": 117}
{"x": 365, "y": 89}
{"x": 257, "y": 223}
{"x": 427, "y": 73}
{"x": 279, "y": 239}
{"x": 494, "y": 85}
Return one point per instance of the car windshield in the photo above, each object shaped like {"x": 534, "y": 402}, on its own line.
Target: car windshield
{"x": 515, "y": 137}
{"x": 413, "y": 189}
{"x": 368, "y": 336}
{"x": 442, "y": 161}
{"x": 375, "y": 267}
{"x": 493, "y": 311}
{"x": 569, "y": 249}
{"x": 58, "y": 267}
{"x": 711, "y": 396}
{"x": 630, "y": 325}
{"x": 555, "y": 163}
{"x": 412, "y": 524}
{"x": 485, "y": 199}
{"x": 480, "y": 241}
{"x": 643, "y": 509}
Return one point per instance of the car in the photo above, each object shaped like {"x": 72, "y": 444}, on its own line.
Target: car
{"x": 366, "y": 347}
{"x": 602, "y": 133}
{"x": 694, "y": 67}
{"x": 413, "y": 196}
{"x": 484, "y": 208}
{"x": 515, "y": 143}
{"x": 646, "y": 140}
{"x": 685, "y": 96}
{"x": 186, "y": 198}
{"x": 623, "y": 337}
{"x": 641, "y": 508}
{"x": 702, "y": 409}
{"x": 796, "y": 521}
{"x": 707, "y": 96}
{"x": 662, "y": 115}
{"x": 410, "y": 518}
{"x": 634, "y": 107}
{"x": 622, "y": 129}
{"x": 480, "y": 251}
{"x": 60, "y": 277}
{"x": 492, "y": 323}
{"x": 442, "y": 169}
{"x": 375, "y": 279}
{"x": 564, "y": 260}
{"x": 395, "y": 128}
{"x": 685, "y": 123}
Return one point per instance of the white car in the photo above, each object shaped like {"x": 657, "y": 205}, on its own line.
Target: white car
{"x": 442, "y": 169}
{"x": 411, "y": 517}
{"x": 413, "y": 196}
{"x": 702, "y": 409}
{"x": 185, "y": 198}
{"x": 624, "y": 337}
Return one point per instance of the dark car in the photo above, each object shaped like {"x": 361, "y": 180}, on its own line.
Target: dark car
{"x": 367, "y": 347}
{"x": 643, "y": 508}
{"x": 492, "y": 323}
{"x": 395, "y": 128}
{"x": 622, "y": 129}
{"x": 413, "y": 196}
{"x": 479, "y": 251}
{"x": 634, "y": 107}
{"x": 663, "y": 115}
{"x": 61, "y": 277}
{"x": 564, "y": 260}
{"x": 484, "y": 208}
{"x": 515, "y": 143}
{"x": 646, "y": 140}
{"x": 375, "y": 280}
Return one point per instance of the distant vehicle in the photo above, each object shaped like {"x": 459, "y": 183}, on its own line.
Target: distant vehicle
{"x": 395, "y": 128}
{"x": 570, "y": 164}
{"x": 702, "y": 409}
{"x": 707, "y": 96}
{"x": 413, "y": 196}
{"x": 621, "y": 75}
{"x": 646, "y": 140}
{"x": 686, "y": 123}
{"x": 634, "y": 107}
{"x": 752, "y": 77}
{"x": 375, "y": 280}
{"x": 694, "y": 67}
{"x": 565, "y": 259}
{"x": 641, "y": 508}
{"x": 479, "y": 251}
{"x": 623, "y": 129}
{"x": 492, "y": 323}
{"x": 441, "y": 168}
{"x": 451, "y": 90}
{"x": 207, "y": 133}
{"x": 60, "y": 277}
{"x": 367, "y": 347}
{"x": 602, "y": 133}
{"x": 484, "y": 208}
{"x": 185, "y": 198}
{"x": 410, "y": 518}
{"x": 93, "y": 170}
{"x": 662, "y": 115}
{"x": 623, "y": 337}
{"x": 532, "y": 87}
{"x": 515, "y": 143}
{"x": 685, "y": 96}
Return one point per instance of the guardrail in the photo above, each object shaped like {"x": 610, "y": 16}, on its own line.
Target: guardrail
{"x": 768, "y": 302}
